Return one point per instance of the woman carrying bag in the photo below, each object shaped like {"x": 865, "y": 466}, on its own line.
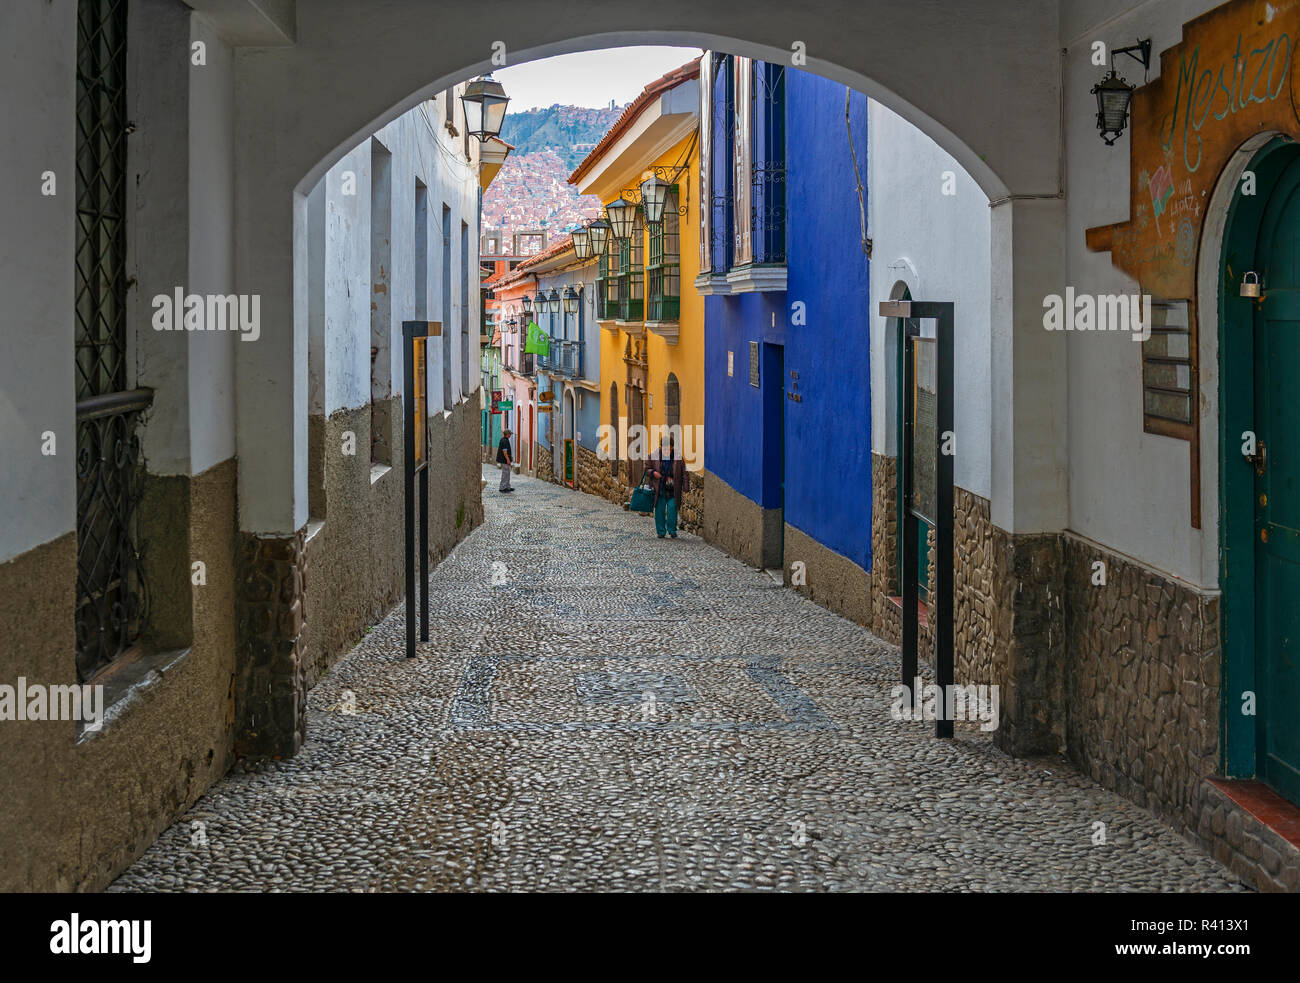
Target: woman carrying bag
{"x": 670, "y": 480}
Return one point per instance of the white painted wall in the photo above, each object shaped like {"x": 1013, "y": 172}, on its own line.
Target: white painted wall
{"x": 212, "y": 248}
{"x": 422, "y": 149}
{"x": 37, "y": 492}
{"x": 939, "y": 246}
{"x": 1128, "y": 490}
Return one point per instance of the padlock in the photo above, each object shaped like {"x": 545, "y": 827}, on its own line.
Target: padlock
{"x": 1250, "y": 288}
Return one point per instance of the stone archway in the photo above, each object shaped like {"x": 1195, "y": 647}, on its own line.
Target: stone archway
{"x": 300, "y": 106}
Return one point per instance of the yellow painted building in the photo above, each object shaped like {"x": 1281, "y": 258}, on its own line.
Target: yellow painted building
{"x": 651, "y": 317}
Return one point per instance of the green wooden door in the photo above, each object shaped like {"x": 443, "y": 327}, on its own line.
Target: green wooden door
{"x": 1277, "y": 490}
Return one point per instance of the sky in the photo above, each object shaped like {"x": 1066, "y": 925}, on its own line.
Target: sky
{"x": 589, "y": 78}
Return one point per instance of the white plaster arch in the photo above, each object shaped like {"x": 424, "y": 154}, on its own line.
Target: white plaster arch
{"x": 354, "y": 67}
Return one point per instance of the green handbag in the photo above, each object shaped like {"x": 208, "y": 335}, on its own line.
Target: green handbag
{"x": 643, "y": 498}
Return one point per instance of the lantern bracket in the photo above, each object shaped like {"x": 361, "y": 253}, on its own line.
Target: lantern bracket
{"x": 1143, "y": 54}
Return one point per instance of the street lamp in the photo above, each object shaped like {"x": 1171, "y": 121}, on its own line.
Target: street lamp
{"x": 622, "y": 215}
{"x": 598, "y": 231}
{"x": 581, "y": 243}
{"x": 1114, "y": 93}
{"x": 484, "y": 102}
{"x": 554, "y": 301}
{"x": 528, "y": 304}
{"x": 570, "y": 300}
{"x": 654, "y": 193}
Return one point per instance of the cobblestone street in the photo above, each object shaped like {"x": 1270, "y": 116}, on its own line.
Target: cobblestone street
{"x": 622, "y": 712}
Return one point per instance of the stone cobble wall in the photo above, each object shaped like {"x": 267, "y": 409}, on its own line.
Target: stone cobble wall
{"x": 1142, "y": 681}
{"x": 885, "y": 618}
{"x": 691, "y": 516}
{"x": 545, "y": 469}
{"x": 1028, "y": 639}
{"x": 976, "y": 649}
{"x": 270, "y": 672}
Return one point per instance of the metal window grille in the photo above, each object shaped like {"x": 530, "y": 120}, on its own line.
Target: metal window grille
{"x": 664, "y": 268}
{"x": 631, "y": 287}
{"x": 767, "y": 193}
{"x": 111, "y": 596}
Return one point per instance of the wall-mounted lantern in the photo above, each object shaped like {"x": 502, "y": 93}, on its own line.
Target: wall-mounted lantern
{"x": 598, "y": 232}
{"x": 1114, "y": 93}
{"x": 622, "y": 217}
{"x": 528, "y": 304}
{"x": 570, "y": 300}
{"x": 484, "y": 102}
{"x": 581, "y": 243}
{"x": 654, "y": 193}
{"x": 554, "y": 301}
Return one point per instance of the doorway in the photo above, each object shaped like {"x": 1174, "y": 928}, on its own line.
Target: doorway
{"x": 1259, "y": 344}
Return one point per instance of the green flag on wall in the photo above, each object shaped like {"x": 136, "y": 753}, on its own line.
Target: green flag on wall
{"x": 537, "y": 341}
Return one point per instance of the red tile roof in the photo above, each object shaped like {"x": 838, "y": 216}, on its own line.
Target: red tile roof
{"x": 660, "y": 85}
{"x": 522, "y": 270}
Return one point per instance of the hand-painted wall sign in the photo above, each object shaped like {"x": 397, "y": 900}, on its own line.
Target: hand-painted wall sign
{"x": 1232, "y": 76}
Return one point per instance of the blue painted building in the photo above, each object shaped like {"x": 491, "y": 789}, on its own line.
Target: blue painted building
{"x": 784, "y": 268}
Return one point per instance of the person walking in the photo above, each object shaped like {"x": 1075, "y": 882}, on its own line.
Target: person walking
{"x": 504, "y": 459}
{"x": 671, "y": 480}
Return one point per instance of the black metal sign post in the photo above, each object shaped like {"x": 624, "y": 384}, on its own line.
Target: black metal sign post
{"x": 415, "y": 460}
{"x": 945, "y": 452}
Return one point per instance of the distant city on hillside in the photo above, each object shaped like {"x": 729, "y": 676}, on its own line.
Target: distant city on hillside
{"x": 532, "y": 188}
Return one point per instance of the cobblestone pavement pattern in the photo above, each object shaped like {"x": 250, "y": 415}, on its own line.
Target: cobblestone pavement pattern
{"x": 599, "y": 709}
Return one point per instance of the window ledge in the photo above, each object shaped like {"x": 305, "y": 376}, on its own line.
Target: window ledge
{"x": 664, "y": 329}
{"x": 314, "y": 526}
{"x": 377, "y": 471}
{"x": 712, "y": 284}
{"x": 126, "y": 681}
{"x": 757, "y": 279}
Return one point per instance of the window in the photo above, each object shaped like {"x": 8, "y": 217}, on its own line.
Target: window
{"x": 607, "y": 282}
{"x": 664, "y": 268}
{"x": 767, "y": 186}
{"x": 110, "y": 600}
{"x": 631, "y": 285}
{"x": 706, "y": 161}
{"x": 722, "y": 175}
{"x": 673, "y": 405}
{"x": 742, "y": 155}
{"x": 446, "y": 307}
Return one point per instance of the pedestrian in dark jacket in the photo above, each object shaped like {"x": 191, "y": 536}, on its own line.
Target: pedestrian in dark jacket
{"x": 504, "y": 459}
{"x": 670, "y": 479}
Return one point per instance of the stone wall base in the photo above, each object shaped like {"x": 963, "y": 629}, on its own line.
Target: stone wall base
{"x": 1141, "y": 680}
{"x": 738, "y": 525}
{"x": 80, "y": 807}
{"x": 356, "y": 555}
{"x": 1240, "y": 841}
{"x": 826, "y": 577}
